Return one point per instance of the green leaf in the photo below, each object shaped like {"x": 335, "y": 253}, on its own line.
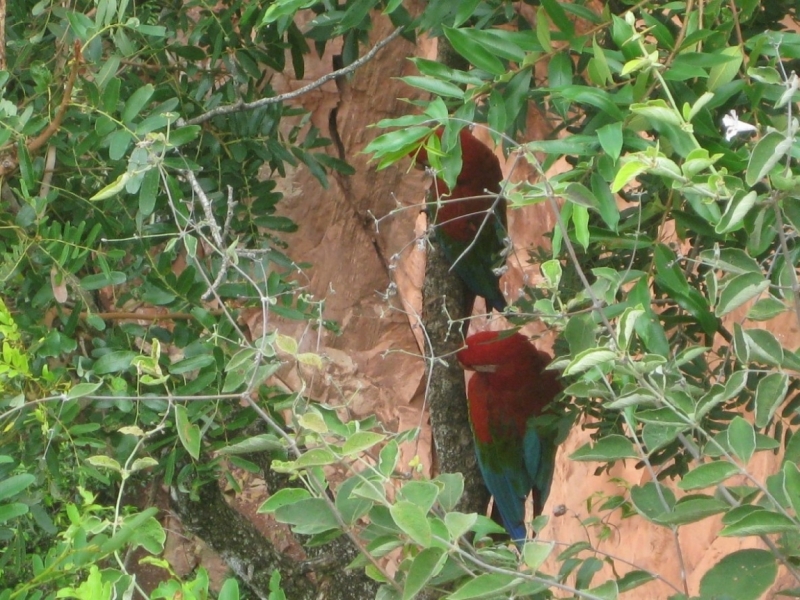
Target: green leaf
{"x": 148, "y": 192}
{"x": 114, "y": 362}
{"x": 535, "y": 553}
{"x": 132, "y": 528}
{"x": 763, "y": 347}
{"x": 735, "y": 212}
{"x": 610, "y": 137}
{"x": 739, "y": 290}
{"x": 607, "y": 449}
{"x": 769, "y": 150}
{"x": 13, "y": 485}
{"x": 360, "y": 441}
{"x": 356, "y": 12}
{"x": 741, "y": 439}
{"x": 413, "y": 521}
{"x": 81, "y": 24}
{"x": 184, "y": 135}
{"x": 313, "y": 421}
{"x": 635, "y": 397}
{"x": 285, "y": 8}
{"x": 764, "y": 74}
{"x": 633, "y": 579}
{"x": 543, "y": 29}
{"x": 667, "y": 415}
{"x": 698, "y": 105}
{"x": 694, "y": 509}
{"x": 436, "y": 109}
{"x": 458, "y": 523}
{"x": 741, "y": 575}
{"x": 315, "y": 457}
{"x": 589, "y": 359}
{"x": 388, "y": 458}
{"x": 791, "y": 485}
{"x": 464, "y": 11}
{"x": 657, "y": 111}
{"x": 434, "y": 86}
{"x": 230, "y": 589}
{"x": 766, "y": 309}
{"x": 599, "y": 65}
{"x": 560, "y": 19}
{"x": 118, "y": 143}
{"x": 770, "y": 393}
{"x": 137, "y": 102}
{"x": 113, "y": 188}
{"x": 371, "y": 490}
{"x": 731, "y": 260}
{"x": 310, "y": 516}
{"x": 464, "y": 43}
{"x": 110, "y": 84}
{"x": 351, "y": 507}
{"x": 657, "y": 436}
{"x": 83, "y": 389}
{"x": 452, "y": 491}
{"x": 263, "y": 442}
{"x": 559, "y": 76}
{"x": 188, "y": 433}
{"x": 420, "y": 493}
{"x": 707, "y": 474}
{"x": 488, "y": 585}
{"x": 792, "y": 451}
{"x": 401, "y": 140}
{"x": 629, "y": 170}
{"x": 761, "y": 522}
{"x": 190, "y": 364}
{"x": 12, "y": 511}
{"x": 608, "y": 203}
{"x": 104, "y": 462}
{"x": 101, "y": 280}
{"x": 653, "y": 501}
{"x": 426, "y": 565}
{"x": 581, "y": 195}
{"x": 724, "y": 73}
{"x": 597, "y": 98}
{"x": 580, "y": 221}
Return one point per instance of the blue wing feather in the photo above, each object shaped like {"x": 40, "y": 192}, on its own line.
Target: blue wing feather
{"x": 509, "y": 485}
{"x": 540, "y": 459}
{"x": 478, "y": 268}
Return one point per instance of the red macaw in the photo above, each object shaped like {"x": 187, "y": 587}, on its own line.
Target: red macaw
{"x": 508, "y": 390}
{"x": 472, "y": 216}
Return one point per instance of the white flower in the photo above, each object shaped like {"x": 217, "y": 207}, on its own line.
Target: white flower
{"x": 733, "y": 126}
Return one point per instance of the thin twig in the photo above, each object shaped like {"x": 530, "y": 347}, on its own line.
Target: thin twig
{"x": 243, "y": 106}
{"x": 9, "y": 164}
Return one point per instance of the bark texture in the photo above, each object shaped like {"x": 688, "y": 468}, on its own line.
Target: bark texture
{"x": 254, "y": 558}
{"x": 446, "y": 305}
{"x": 249, "y": 554}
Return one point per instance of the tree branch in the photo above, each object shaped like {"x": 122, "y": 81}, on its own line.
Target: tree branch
{"x": 9, "y": 161}
{"x": 446, "y": 305}
{"x": 243, "y": 106}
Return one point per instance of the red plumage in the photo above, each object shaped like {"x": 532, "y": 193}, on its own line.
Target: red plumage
{"x": 478, "y": 182}
{"x": 470, "y": 220}
{"x": 509, "y": 389}
{"x": 510, "y": 383}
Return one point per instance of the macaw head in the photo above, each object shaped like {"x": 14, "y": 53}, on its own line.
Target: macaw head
{"x": 488, "y": 351}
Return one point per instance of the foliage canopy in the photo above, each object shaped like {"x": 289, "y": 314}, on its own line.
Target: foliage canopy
{"x": 137, "y": 136}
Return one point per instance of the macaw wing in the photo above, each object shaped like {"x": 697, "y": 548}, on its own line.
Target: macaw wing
{"x": 509, "y": 484}
{"x": 478, "y": 263}
{"x": 540, "y": 461}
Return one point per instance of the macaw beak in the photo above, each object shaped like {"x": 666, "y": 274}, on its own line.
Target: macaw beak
{"x": 486, "y": 368}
